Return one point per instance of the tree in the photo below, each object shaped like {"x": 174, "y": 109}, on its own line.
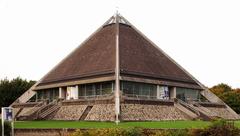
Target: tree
{"x": 230, "y": 96}
{"x": 220, "y": 89}
{"x": 232, "y": 99}
{"x": 10, "y": 90}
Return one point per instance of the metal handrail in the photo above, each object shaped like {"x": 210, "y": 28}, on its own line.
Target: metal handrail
{"x": 51, "y": 103}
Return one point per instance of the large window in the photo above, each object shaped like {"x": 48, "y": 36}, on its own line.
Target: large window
{"x": 49, "y": 94}
{"x": 95, "y": 89}
{"x": 186, "y": 94}
{"x": 138, "y": 89}
{"x": 53, "y": 93}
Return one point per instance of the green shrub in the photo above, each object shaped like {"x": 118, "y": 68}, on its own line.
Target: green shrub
{"x": 218, "y": 128}
{"x": 109, "y": 132}
{"x": 7, "y": 128}
{"x": 171, "y": 132}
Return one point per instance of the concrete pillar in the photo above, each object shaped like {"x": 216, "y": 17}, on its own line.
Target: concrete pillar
{"x": 76, "y": 92}
{"x": 173, "y": 93}
{"x": 158, "y": 92}
{"x": 60, "y": 92}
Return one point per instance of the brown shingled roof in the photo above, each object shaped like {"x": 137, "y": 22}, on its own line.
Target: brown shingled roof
{"x": 97, "y": 57}
{"x": 140, "y": 58}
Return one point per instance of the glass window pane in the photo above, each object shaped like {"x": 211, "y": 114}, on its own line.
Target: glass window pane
{"x": 137, "y": 89}
{"x": 145, "y": 90}
{"x": 153, "y": 91}
{"x": 127, "y": 88}
{"x": 81, "y": 90}
{"x": 98, "y": 88}
{"x": 106, "y": 88}
{"x": 187, "y": 94}
{"x": 89, "y": 90}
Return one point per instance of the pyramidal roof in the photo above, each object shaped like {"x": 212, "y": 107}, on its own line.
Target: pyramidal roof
{"x": 138, "y": 57}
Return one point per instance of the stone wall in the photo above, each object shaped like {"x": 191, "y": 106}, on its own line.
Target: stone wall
{"x": 69, "y": 112}
{"x": 135, "y": 112}
{"x": 102, "y": 112}
{"x": 221, "y": 112}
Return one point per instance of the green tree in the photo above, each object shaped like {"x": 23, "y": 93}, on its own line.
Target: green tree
{"x": 232, "y": 99}
{"x": 220, "y": 89}
{"x": 10, "y": 90}
{"x": 230, "y": 96}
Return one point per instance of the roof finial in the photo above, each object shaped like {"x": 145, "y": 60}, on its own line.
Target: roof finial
{"x": 117, "y": 11}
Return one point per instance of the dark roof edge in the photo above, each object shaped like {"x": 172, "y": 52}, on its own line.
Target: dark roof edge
{"x": 79, "y": 77}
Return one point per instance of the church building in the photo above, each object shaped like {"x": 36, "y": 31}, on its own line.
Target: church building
{"x": 118, "y": 74}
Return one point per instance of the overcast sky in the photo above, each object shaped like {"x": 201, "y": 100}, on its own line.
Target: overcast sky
{"x": 202, "y": 36}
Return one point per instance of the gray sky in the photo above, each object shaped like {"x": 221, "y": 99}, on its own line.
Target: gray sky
{"x": 202, "y": 36}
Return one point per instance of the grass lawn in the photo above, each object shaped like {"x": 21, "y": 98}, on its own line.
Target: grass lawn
{"x": 237, "y": 124}
{"x": 84, "y": 124}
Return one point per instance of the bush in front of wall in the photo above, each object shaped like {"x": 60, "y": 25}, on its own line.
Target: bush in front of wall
{"x": 109, "y": 132}
{"x": 218, "y": 128}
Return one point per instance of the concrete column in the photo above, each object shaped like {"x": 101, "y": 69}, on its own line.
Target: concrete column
{"x": 60, "y": 92}
{"x": 158, "y": 92}
{"x": 173, "y": 93}
{"x": 76, "y": 92}
{"x": 68, "y": 93}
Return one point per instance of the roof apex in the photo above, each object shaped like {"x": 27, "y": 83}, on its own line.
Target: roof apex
{"x": 120, "y": 19}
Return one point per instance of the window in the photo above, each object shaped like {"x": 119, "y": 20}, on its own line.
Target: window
{"x": 186, "y": 94}
{"x": 106, "y": 88}
{"x": 138, "y": 89}
{"x": 128, "y": 88}
{"x": 96, "y": 89}
{"x": 153, "y": 91}
{"x": 40, "y": 95}
{"x": 81, "y": 90}
{"x": 49, "y": 94}
{"x": 90, "y": 90}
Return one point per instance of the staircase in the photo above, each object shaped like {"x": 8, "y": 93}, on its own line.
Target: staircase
{"x": 16, "y": 114}
{"x": 196, "y": 110}
{"x": 190, "y": 114}
{"x": 29, "y": 114}
{"x": 47, "y": 112}
{"x": 205, "y": 110}
{"x": 85, "y": 113}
